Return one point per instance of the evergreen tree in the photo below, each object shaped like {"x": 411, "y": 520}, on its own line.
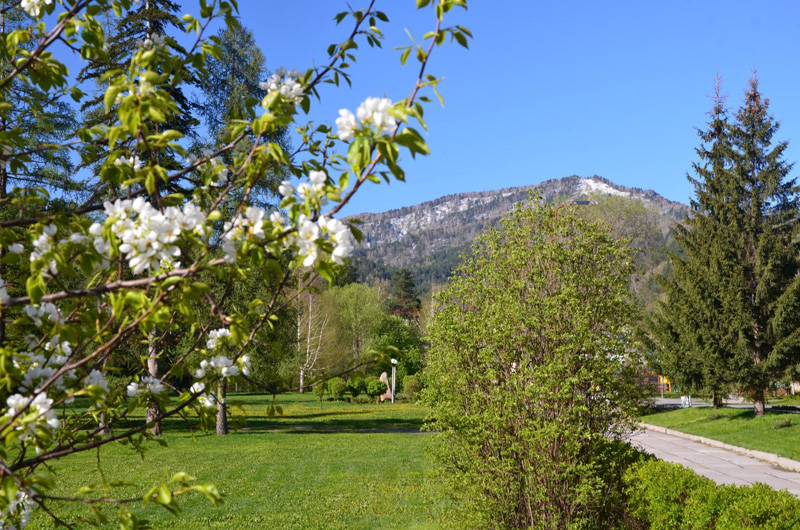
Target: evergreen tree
{"x": 763, "y": 294}
{"x": 689, "y": 331}
{"x": 232, "y": 80}
{"x": 404, "y": 302}
{"x": 42, "y": 120}
{"x": 732, "y": 309}
{"x": 145, "y": 25}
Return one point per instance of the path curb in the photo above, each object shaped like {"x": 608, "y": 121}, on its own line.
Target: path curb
{"x": 780, "y": 461}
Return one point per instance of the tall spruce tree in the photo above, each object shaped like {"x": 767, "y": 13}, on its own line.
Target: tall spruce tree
{"x": 688, "y": 330}
{"x": 232, "y": 79}
{"x": 145, "y": 24}
{"x": 731, "y": 316}
{"x": 763, "y": 294}
{"x": 404, "y": 302}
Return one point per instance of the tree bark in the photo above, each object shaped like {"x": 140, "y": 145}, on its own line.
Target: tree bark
{"x": 759, "y": 403}
{"x": 716, "y": 400}
{"x": 222, "y": 413}
{"x": 152, "y": 370}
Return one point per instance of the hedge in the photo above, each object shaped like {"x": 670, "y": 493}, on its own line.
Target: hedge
{"x": 666, "y": 496}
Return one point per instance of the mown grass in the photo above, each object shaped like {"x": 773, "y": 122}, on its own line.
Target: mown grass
{"x": 775, "y": 432}
{"x": 319, "y": 465}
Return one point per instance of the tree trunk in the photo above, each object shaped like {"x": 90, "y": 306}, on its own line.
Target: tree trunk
{"x": 716, "y": 400}
{"x": 759, "y": 404}
{"x": 152, "y": 370}
{"x": 302, "y": 379}
{"x": 222, "y": 415}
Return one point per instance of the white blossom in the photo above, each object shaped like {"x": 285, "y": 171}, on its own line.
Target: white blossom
{"x": 36, "y": 314}
{"x": 372, "y": 112}
{"x": 346, "y": 125}
{"x": 318, "y": 178}
{"x": 34, "y": 7}
{"x": 96, "y": 378}
{"x": 147, "y": 385}
{"x": 251, "y": 225}
{"x": 286, "y": 188}
{"x": 16, "y": 248}
{"x": 20, "y": 509}
{"x": 375, "y": 111}
{"x": 38, "y": 414}
{"x": 286, "y": 83}
{"x": 214, "y": 336}
{"x": 133, "y": 162}
{"x": 148, "y": 236}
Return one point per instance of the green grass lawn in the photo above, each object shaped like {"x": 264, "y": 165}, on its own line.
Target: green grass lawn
{"x": 319, "y": 465}
{"x": 775, "y": 432}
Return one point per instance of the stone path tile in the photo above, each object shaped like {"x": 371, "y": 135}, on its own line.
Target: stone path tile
{"x": 721, "y": 466}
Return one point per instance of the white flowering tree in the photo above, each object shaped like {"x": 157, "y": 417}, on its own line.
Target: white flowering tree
{"x": 79, "y": 279}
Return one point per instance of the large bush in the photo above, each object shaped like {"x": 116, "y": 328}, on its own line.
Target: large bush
{"x": 532, "y": 374}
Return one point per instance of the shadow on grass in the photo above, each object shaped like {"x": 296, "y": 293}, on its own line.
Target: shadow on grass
{"x": 301, "y": 423}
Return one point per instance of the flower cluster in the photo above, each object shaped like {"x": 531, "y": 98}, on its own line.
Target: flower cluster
{"x": 134, "y": 162}
{"x": 95, "y": 378}
{"x": 42, "y": 367}
{"x": 214, "y": 337}
{"x": 286, "y": 83}
{"x": 148, "y": 385}
{"x": 340, "y": 236}
{"x": 372, "y": 112}
{"x": 204, "y": 399}
{"x": 251, "y": 225}
{"x": 148, "y": 236}
{"x": 36, "y": 314}
{"x": 34, "y": 7}
{"x": 18, "y": 514}
{"x": 224, "y": 366}
{"x": 44, "y": 244}
{"x": 34, "y": 413}
{"x": 155, "y": 41}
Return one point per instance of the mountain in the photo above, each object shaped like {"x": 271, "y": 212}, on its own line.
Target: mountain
{"x": 429, "y": 237}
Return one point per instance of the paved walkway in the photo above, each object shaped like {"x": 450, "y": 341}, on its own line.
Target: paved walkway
{"x": 720, "y": 465}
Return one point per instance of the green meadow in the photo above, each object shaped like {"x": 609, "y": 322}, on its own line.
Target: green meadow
{"x": 317, "y": 465}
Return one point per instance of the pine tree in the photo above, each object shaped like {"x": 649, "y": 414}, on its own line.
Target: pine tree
{"x": 763, "y": 294}
{"x": 233, "y": 79}
{"x": 39, "y": 119}
{"x": 151, "y": 20}
{"x": 733, "y": 299}
{"x": 688, "y": 330}
{"x": 404, "y": 302}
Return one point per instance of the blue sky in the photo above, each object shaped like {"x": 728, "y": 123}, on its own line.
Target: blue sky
{"x": 550, "y": 89}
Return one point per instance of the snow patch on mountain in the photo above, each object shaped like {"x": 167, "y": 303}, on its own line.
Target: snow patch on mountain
{"x": 590, "y": 185}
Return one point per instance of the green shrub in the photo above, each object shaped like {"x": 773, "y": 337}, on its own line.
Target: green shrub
{"x": 337, "y": 388}
{"x": 531, "y": 372}
{"x": 319, "y": 390}
{"x": 411, "y": 387}
{"x": 375, "y": 387}
{"x": 356, "y": 386}
{"x": 666, "y": 496}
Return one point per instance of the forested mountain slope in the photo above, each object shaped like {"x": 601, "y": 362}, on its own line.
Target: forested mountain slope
{"x": 429, "y": 237}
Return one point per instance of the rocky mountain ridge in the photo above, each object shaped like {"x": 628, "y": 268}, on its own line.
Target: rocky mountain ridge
{"x": 429, "y": 236}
